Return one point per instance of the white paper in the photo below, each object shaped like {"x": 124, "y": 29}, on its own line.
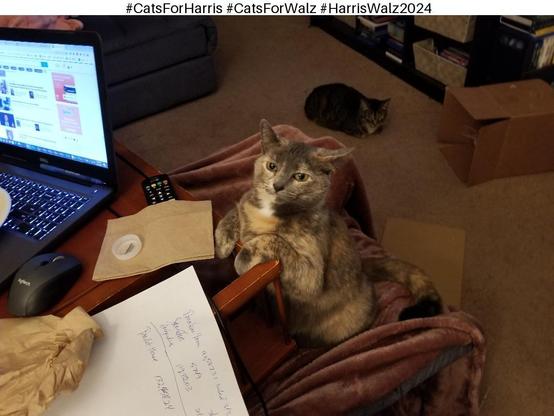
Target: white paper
{"x": 162, "y": 354}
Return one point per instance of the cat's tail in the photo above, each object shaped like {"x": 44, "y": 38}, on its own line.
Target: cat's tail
{"x": 427, "y": 299}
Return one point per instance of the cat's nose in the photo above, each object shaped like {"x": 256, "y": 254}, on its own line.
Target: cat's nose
{"x": 278, "y": 187}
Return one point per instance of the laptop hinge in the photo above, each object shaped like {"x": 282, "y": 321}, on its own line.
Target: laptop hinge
{"x": 71, "y": 175}
{"x": 12, "y": 158}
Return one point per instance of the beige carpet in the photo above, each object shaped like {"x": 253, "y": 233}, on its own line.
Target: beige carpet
{"x": 267, "y": 66}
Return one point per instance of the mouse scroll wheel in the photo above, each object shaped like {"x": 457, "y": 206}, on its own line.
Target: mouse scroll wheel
{"x": 58, "y": 258}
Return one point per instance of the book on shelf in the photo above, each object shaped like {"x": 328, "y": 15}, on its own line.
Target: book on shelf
{"x": 455, "y": 55}
{"x": 543, "y": 55}
{"x": 536, "y": 25}
{"x": 545, "y": 31}
{"x": 526, "y": 50}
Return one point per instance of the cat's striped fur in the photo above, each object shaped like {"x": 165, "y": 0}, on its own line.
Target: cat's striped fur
{"x": 343, "y": 108}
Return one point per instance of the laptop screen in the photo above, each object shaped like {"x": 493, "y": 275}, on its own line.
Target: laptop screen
{"x": 49, "y": 100}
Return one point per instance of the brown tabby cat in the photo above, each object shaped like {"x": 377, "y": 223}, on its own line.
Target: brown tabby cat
{"x": 343, "y": 108}
{"x": 328, "y": 292}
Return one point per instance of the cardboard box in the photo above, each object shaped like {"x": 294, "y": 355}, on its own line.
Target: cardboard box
{"x": 499, "y": 130}
{"x": 436, "y": 249}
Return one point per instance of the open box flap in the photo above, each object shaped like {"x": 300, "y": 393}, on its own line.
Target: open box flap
{"x": 456, "y": 124}
{"x": 523, "y": 98}
{"x": 459, "y": 157}
{"x": 480, "y": 104}
{"x": 488, "y": 152}
{"x": 511, "y": 99}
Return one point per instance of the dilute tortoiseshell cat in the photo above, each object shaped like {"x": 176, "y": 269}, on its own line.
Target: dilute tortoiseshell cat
{"x": 328, "y": 291}
{"x": 343, "y": 108}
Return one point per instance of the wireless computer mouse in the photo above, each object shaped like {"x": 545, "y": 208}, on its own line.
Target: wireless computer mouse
{"x": 41, "y": 282}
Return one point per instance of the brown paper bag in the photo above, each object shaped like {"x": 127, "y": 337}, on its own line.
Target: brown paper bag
{"x": 42, "y": 356}
{"x": 170, "y": 232}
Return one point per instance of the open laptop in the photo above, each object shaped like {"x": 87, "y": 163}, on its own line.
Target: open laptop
{"x": 56, "y": 153}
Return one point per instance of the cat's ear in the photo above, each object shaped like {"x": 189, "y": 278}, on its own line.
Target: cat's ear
{"x": 384, "y": 104}
{"x": 269, "y": 137}
{"x": 332, "y": 155}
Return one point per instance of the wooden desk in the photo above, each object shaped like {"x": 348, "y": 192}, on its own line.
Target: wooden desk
{"x": 86, "y": 242}
{"x": 259, "y": 344}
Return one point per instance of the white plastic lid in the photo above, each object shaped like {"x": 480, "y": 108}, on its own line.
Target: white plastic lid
{"x": 5, "y": 205}
{"x": 127, "y": 247}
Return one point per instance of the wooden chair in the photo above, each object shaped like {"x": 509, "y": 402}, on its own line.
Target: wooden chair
{"x": 261, "y": 344}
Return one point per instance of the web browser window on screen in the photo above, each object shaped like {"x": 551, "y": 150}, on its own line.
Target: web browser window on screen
{"x": 49, "y": 100}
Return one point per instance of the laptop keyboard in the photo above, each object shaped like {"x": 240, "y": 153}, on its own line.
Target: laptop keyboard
{"x": 37, "y": 209}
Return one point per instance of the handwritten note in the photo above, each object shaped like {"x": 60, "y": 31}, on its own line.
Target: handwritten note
{"x": 162, "y": 354}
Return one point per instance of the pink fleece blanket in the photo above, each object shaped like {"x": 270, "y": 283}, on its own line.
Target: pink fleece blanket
{"x": 360, "y": 373}
{"x": 41, "y": 22}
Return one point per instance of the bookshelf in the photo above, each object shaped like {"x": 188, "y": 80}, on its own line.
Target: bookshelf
{"x": 346, "y": 34}
{"x": 517, "y": 53}
{"x": 485, "y": 65}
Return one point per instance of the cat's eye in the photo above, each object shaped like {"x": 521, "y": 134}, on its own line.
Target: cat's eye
{"x": 300, "y": 177}
{"x": 271, "y": 166}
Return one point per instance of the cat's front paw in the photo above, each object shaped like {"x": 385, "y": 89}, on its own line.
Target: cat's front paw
{"x": 245, "y": 260}
{"x": 224, "y": 243}
{"x": 227, "y": 234}
{"x": 248, "y": 257}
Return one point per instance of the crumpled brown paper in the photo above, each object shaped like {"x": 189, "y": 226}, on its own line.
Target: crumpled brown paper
{"x": 42, "y": 356}
{"x": 170, "y": 232}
